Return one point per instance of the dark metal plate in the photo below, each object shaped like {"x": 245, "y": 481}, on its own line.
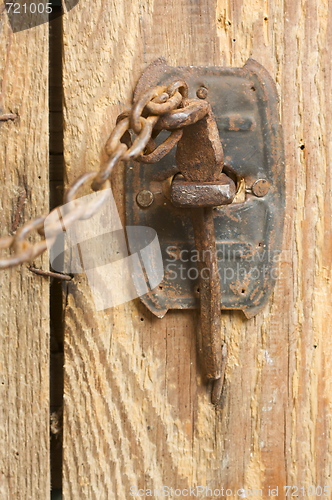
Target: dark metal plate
{"x": 248, "y": 233}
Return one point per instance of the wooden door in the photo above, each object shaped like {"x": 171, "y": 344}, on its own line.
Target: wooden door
{"x": 137, "y": 411}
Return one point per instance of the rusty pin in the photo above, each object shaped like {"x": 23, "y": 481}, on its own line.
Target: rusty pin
{"x": 200, "y": 159}
{"x": 8, "y": 116}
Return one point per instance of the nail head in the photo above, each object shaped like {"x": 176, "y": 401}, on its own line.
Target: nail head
{"x": 144, "y": 198}
{"x": 261, "y": 187}
{"x": 202, "y": 93}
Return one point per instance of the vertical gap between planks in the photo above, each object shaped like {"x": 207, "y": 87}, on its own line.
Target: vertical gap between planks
{"x": 56, "y": 286}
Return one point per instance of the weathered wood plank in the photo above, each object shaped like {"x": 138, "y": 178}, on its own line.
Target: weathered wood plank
{"x": 24, "y": 310}
{"x": 137, "y": 412}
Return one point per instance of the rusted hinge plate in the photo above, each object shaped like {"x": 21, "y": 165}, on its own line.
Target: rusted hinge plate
{"x": 248, "y": 232}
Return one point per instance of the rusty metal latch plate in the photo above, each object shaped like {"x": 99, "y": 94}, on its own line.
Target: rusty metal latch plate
{"x": 249, "y": 231}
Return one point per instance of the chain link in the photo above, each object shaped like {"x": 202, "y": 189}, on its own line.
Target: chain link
{"x": 159, "y": 108}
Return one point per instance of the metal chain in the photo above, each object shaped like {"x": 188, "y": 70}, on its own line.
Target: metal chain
{"x": 159, "y": 108}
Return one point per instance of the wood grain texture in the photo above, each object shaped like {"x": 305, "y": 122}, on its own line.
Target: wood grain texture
{"x": 24, "y": 302}
{"x": 137, "y": 411}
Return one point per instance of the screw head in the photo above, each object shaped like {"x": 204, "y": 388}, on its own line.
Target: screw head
{"x": 261, "y": 187}
{"x": 144, "y": 198}
{"x": 202, "y": 93}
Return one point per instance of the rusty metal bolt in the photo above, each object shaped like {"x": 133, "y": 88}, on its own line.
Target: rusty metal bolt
{"x": 144, "y": 198}
{"x": 202, "y": 93}
{"x": 261, "y": 187}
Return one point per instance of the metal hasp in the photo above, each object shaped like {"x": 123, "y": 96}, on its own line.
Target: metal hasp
{"x": 216, "y": 202}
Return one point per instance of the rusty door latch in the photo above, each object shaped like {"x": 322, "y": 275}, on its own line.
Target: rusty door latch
{"x": 217, "y": 203}
{"x": 202, "y": 185}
